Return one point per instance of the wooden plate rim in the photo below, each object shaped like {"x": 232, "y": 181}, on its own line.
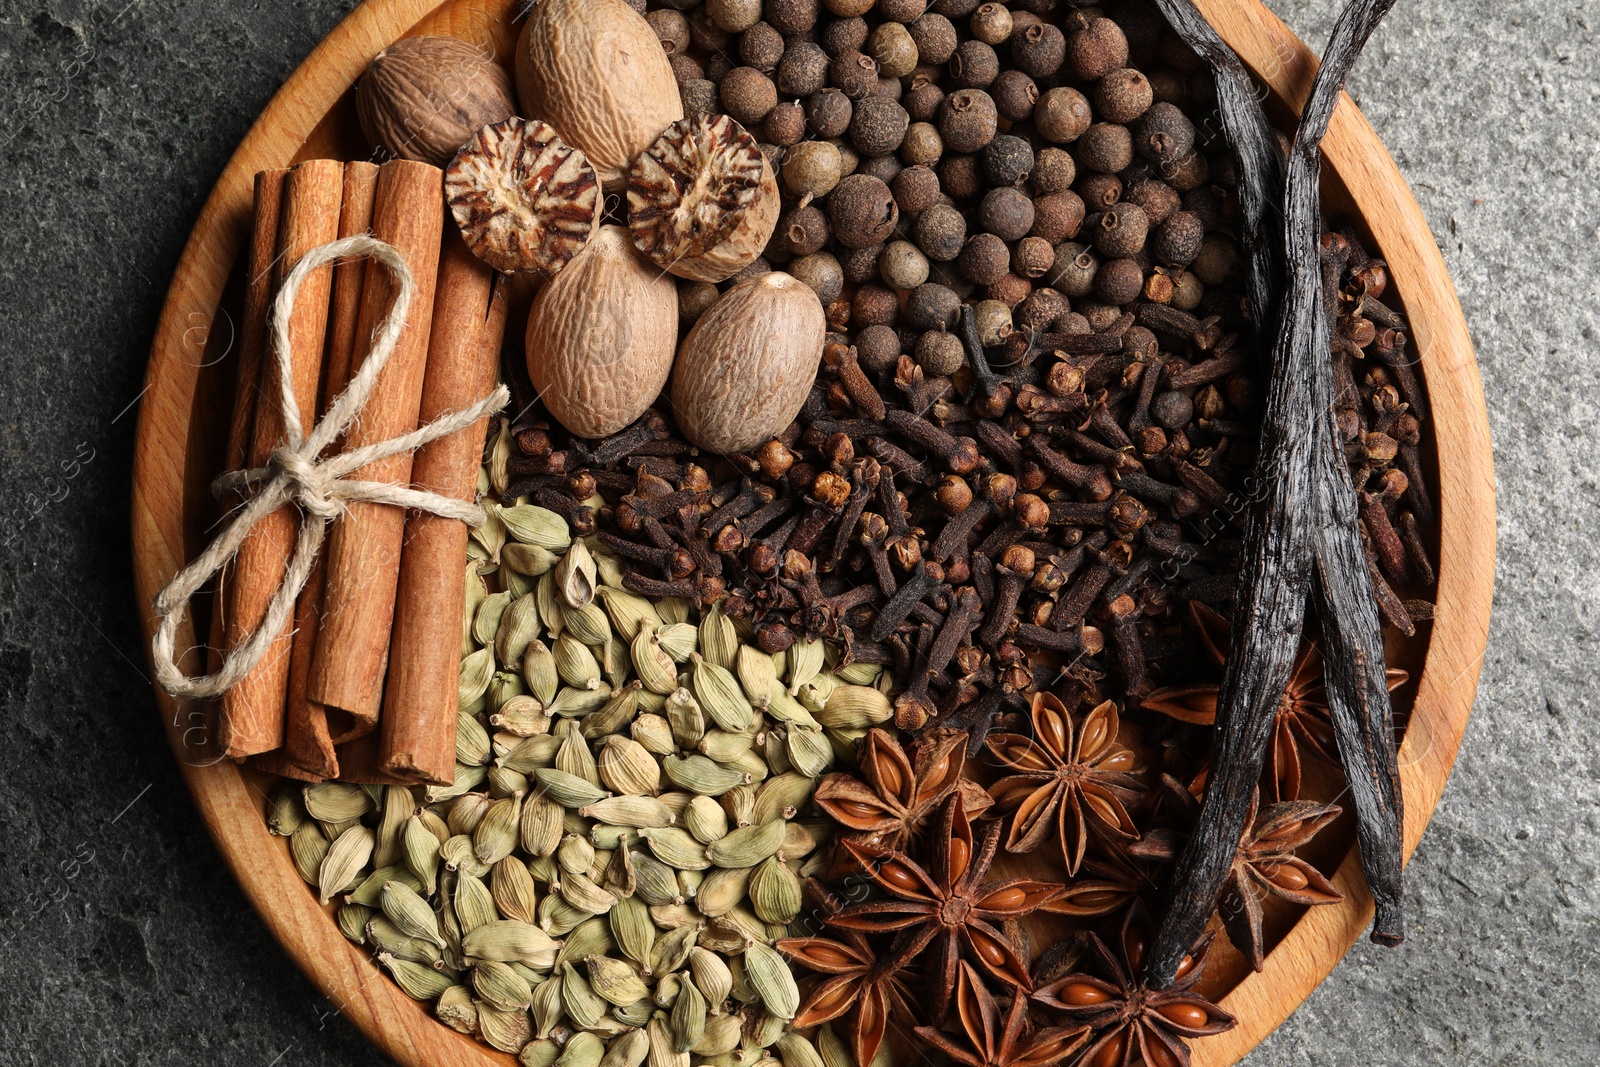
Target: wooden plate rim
{"x": 165, "y": 475}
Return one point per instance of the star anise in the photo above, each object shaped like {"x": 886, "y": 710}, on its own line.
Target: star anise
{"x": 948, "y": 906}
{"x": 887, "y": 806}
{"x": 1130, "y": 1021}
{"x": 1303, "y": 718}
{"x": 860, "y": 981}
{"x": 992, "y": 1042}
{"x": 1110, "y": 880}
{"x": 1074, "y": 772}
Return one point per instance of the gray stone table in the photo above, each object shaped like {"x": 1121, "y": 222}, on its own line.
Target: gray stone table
{"x": 122, "y": 939}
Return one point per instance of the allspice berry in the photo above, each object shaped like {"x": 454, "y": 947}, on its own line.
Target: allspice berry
{"x": 699, "y": 98}
{"x": 891, "y": 47}
{"x": 1095, "y": 48}
{"x": 932, "y": 307}
{"x": 1158, "y": 199}
{"x": 993, "y": 321}
{"x": 811, "y": 168}
{"x": 843, "y": 35}
{"x": 804, "y": 230}
{"x": 935, "y": 37}
{"x": 862, "y": 211}
{"x": 1105, "y": 146}
{"x": 967, "y": 120}
{"x": 1062, "y": 115}
{"x": 1121, "y": 231}
{"x": 1008, "y": 214}
{"x": 1041, "y": 309}
{"x": 940, "y": 354}
{"x": 915, "y": 189}
{"x": 734, "y": 16}
{"x": 974, "y": 65}
{"x": 985, "y": 259}
{"x": 922, "y": 100}
{"x": 673, "y": 29}
{"x": 686, "y": 69}
{"x": 786, "y": 125}
{"x": 1217, "y": 261}
{"x": 1074, "y": 270}
{"x": 1006, "y": 160}
{"x": 878, "y": 125}
{"x": 902, "y": 265}
{"x": 991, "y": 23}
{"x": 1179, "y": 239}
{"x": 877, "y": 347}
{"x": 1058, "y": 216}
{"x": 748, "y": 95}
{"x": 1119, "y": 281}
{"x": 1015, "y": 95}
{"x": 922, "y": 145}
{"x": 695, "y": 298}
{"x": 828, "y": 113}
{"x": 791, "y": 17}
{"x": 1099, "y": 191}
{"x": 1165, "y": 134}
{"x": 803, "y": 70}
{"x": 1038, "y": 51}
{"x": 1123, "y": 95}
{"x": 940, "y": 231}
{"x": 885, "y": 168}
{"x": 761, "y": 47}
{"x": 901, "y": 10}
{"x": 822, "y": 273}
{"x": 962, "y": 176}
{"x": 1053, "y": 171}
{"x": 854, "y": 74}
{"x": 874, "y": 305}
{"x": 1032, "y": 257}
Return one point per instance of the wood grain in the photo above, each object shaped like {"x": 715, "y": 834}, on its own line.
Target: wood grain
{"x": 311, "y": 116}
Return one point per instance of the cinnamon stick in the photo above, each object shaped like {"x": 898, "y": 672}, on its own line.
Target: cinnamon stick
{"x": 308, "y": 750}
{"x": 363, "y": 555}
{"x": 419, "y": 709}
{"x": 252, "y": 714}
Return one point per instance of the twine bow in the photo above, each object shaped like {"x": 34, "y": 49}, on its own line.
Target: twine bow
{"x": 296, "y": 474}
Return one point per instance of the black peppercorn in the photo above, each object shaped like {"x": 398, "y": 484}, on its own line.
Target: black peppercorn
{"x": 1179, "y": 239}
{"x": 1158, "y": 199}
{"x": 1098, "y": 191}
{"x": 790, "y": 17}
{"x": 1032, "y": 257}
{"x": 1006, "y": 160}
{"x": 1061, "y": 115}
{"x": 1007, "y": 213}
{"x": 940, "y": 231}
{"x": 804, "y": 230}
{"x": 828, "y": 113}
{"x": 922, "y": 101}
{"x": 878, "y": 125}
{"x": 967, "y": 120}
{"x": 1038, "y": 51}
{"x": 1123, "y": 95}
{"x": 1014, "y": 94}
{"x": 803, "y": 69}
{"x": 885, "y": 168}
{"x": 935, "y": 37}
{"x": 1171, "y": 409}
{"x": 1095, "y": 47}
{"x": 761, "y": 47}
{"x": 1119, "y": 281}
{"x": 1165, "y": 134}
{"x": 932, "y": 306}
{"x": 1119, "y": 232}
{"x": 985, "y": 259}
{"x": 822, "y": 273}
{"x": 862, "y": 211}
{"x": 1058, "y": 216}
{"x": 855, "y": 74}
{"x": 922, "y": 145}
{"x": 962, "y": 176}
{"x": 748, "y": 95}
{"x": 1053, "y": 171}
{"x": 940, "y": 354}
{"x": 1105, "y": 147}
{"x": 973, "y": 66}
{"x": 874, "y": 305}
{"x": 915, "y": 189}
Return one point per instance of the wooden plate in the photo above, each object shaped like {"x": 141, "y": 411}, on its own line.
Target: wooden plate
{"x": 186, "y": 408}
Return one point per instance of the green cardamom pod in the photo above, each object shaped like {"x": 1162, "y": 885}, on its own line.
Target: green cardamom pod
{"x": 370, "y": 891}
{"x": 575, "y": 855}
{"x": 809, "y": 751}
{"x": 697, "y": 774}
{"x": 775, "y": 893}
{"x": 590, "y": 937}
{"x": 719, "y": 694}
{"x": 782, "y": 796}
{"x": 674, "y": 916}
{"x": 456, "y": 1009}
{"x": 574, "y": 756}
{"x": 532, "y": 753}
{"x": 573, "y": 701}
{"x": 398, "y": 806}
{"x": 722, "y": 746}
{"x": 352, "y": 920}
{"x": 855, "y": 707}
{"x": 587, "y": 624}
{"x": 805, "y": 662}
{"x": 750, "y": 764}
{"x": 514, "y": 581}
{"x": 797, "y": 1051}
{"x": 583, "y": 1049}
{"x": 628, "y": 1050}
{"x": 663, "y": 1049}
{"x": 466, "y": 813}
{"x": 287, "y": 811}
{"x": 832, "y": 1049}
{"x": 786, "y": 708}
{"x": 657, "y": 882}
{"x": 655, "y": 733}
{"x": 477, "y": 671}
{"x": 504, "y": 783}
{"x": 712, "y": 975}
{"x": 802, "y": 837}
{"x": 859, "y": 673}
{"x": 721, "y": 1036}
{"x": 475, "y": 594}
{"x": 575, "y": 663}
{"x": 705, "y": 819}
{"x": 528, "y": 560}
{"x": 500, "y": 986}
{"x": 721, "y": 889}
{"x": 539, "y": 671}
{"x": 513, "y": 890}
{"x": 688, "y": 1019}
{"x": 385, "y": 936}
{"x": 507, "y": 1031}
{"x": 772, "y": 980}
{"x": 457, "y": 854}
{"x": 540, "y": 1052}
{"x": 616, "y": 981}
{"x": 583, "y": 1005}
{"x": 521, "y": 716}
{"x": 547, "y": 1006}
{"x": 496, "y": 834}
{"x": 519, "y": 627}
{"x": 473, "y": 903}
{"x": 336, "y": 801}
{"x": 634, "y": 811}
{"x": 629, "y": 612}
{"x": 581, "y": 892}
{"x": 551, "y": 610}
{"x": 740, "y": 804}
{"x": 568, "y": 790}
{"x": 686, "y": 717}
{"x": 415, "y": 980}
{"x": 577, "y": 576}
{"x": 533, "y": 525}
{"x": 676, "y": 847}
{"x": 342, "y": 864}
{"x": 654, "y": 667}
{"x": 672, "y": 949}
{"x": 539, "y": 829}
{"x": 503, "y": 687}
{"x": 633, "y": 931}
{"x": 719, "y": 642}
{"x": 678, "y": 640}
{"x": 756, "y": 674}
{"x": 748, "y": 845}
{"x": 627, "y": 767}
{"x": 410, "y": 912}
{"x": 605, "y": 836}
{"x": 511, "y": 941}
{"x": 615, "y": 714}
{"x": 487, "y": 622}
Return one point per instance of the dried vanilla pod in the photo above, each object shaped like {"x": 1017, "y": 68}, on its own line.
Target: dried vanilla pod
{"x": 523, "y": 198}
{"x": 702, "y": 200}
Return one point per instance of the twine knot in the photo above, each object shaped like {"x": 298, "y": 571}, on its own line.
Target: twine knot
{"x": 297, "y": 473}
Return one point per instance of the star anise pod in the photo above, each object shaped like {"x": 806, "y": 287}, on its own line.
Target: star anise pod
{"x": 1074, "y": 772}
{"x": 993, "y": 1042}
{"x": 861, "y": 981}
{"x": 887, "y": 806}
{"x": 949, "y": 906}
{"x": 1110, "y": 880}
{"x": 1302, "y": 719}
{"x": 1130, "y": 1021}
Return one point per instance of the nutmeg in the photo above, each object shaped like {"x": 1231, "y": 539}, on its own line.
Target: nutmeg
{"x": 702, "y": 200}
{"x": 595, "y": 70}
{"x": 748, "y": 363}
{"x": 600, "y": 336}
{"x": 423, "y": 97}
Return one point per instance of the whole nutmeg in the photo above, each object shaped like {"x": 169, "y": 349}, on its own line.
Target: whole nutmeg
{"x": 902, "y": 265}
{"x": 940, "y": 353}
{"x": 811, "y": 168}
{"x": 862, "y": 211}
{"x": 935, "y": 37}
{"x": 745, "y": 368}
{"x": 702, "y": 201}
{"x": 748, "y": 95}
{"x": 595, "y": 70}
{"x": 878, "y": 125}
{"x": 967, "y": 120}
{"x": 423, "y": 97}
{"x": 822, "y": 273}
{"x": 600, "y": 336}
{"x": 1007, "y": 213}
{"x": 1062, "y": 115}
{"x": 1123, "y": 95}
{"x": 985, "y": 259}
{"x": 891, "y": 47}
{"x": 524, "y": 200}
{"x": 940, "y": 231}
{"x": 1053, "y": 171}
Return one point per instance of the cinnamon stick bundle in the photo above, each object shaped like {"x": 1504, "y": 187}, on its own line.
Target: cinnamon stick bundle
{"x": 363, "y": 554}
{"x": 418, "y": 729}
{"x": 252, "y": 712}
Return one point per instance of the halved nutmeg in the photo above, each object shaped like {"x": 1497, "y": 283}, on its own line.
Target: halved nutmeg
{"x": 525, "y": 200}
{"x": 702, "y": 200}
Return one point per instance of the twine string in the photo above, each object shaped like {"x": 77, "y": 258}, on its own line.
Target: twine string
{"x": 296, "y": 473}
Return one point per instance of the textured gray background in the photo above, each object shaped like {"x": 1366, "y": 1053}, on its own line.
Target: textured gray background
{"x": 123, "y": 941}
